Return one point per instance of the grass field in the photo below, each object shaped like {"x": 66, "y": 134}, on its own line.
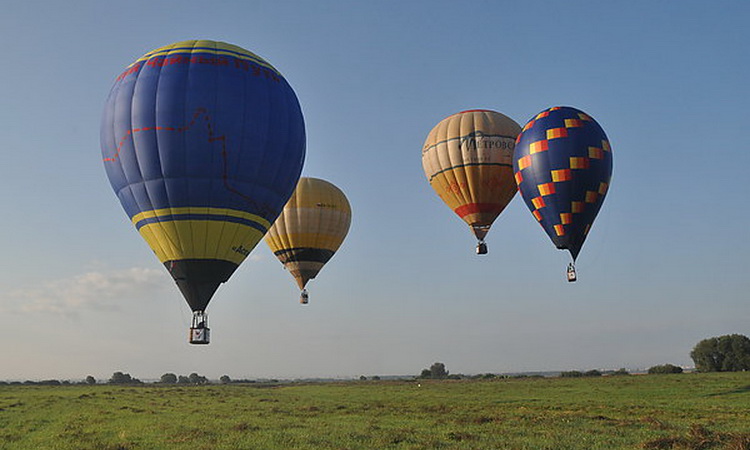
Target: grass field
{"x": 688, "y": 411}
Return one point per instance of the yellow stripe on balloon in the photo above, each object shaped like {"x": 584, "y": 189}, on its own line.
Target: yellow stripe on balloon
{"x": 308, "y": 240}
{"x": 200, "y": 239}
{"x": 210, "y": 47}
{"x": 219, "y": 212}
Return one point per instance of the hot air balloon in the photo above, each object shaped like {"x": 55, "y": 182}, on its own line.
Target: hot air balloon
{"x": 310, "y": 229}
{"x": 203, "y": 143}
{"x": 563, "y": 166}
{"x": 467, "y": 160}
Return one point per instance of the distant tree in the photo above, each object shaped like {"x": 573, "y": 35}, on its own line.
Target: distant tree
{"x": 665, "y": 368}
{"x": 90, "y": 380}
{"x": 123, "y": 378}
{"x": 225, "y": 379}
{"x": 168, "y": 378}
{"x": 729, "y": 353}
{"x": 182, "y": 379}
{"x": 437, "y": 370}
{"x": 571, "y": 374}
{"x": 120, "y": 378}
{"x": 362, "y": 378}
{"x": 592, "y": 373}
{"x": 194, "y": 378}
{"x": 375, "y": 378}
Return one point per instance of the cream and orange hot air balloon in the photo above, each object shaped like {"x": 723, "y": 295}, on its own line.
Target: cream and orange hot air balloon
{"x": 310, "y": 229}
{"x": 468, "y": 160}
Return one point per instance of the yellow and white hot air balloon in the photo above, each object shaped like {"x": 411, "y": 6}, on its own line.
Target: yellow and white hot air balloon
{"x": 310, "y": 229}
{"x": 468, "y": 160}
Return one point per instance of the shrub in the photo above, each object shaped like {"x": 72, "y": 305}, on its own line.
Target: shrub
{"x": 123, "y": 378}
{"x": 665, "y": 368}
{"x": 571, "y": 374}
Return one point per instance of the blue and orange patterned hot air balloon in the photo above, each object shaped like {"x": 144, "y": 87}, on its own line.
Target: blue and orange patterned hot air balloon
{"x": 203, "y": 143}
{"x": 563, "y": 166}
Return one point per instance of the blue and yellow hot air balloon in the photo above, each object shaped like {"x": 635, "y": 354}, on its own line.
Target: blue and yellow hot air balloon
{"x": 203, "y": 143}
{"x": 563, "y": 166}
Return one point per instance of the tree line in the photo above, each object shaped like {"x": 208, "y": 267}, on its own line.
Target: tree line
{"x": 728, "y": 353}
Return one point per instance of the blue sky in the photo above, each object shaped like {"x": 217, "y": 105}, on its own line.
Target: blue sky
{"x": 663, "y": 267}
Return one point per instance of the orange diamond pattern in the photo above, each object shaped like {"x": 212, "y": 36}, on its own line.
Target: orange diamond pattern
{"x": 556, "y": 133}
{"x": 524, "y": 162}
{"x": 561, "y": 175}
{"x": 596, "y": 153}
{"x": 538, "y": 146}
{"x": 546, "y": 188}
{"x": 579, "y": 162}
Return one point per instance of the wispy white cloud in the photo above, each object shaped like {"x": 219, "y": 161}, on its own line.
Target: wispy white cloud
{"x": 93, "y": 290}
{"x": 256, "y": 256}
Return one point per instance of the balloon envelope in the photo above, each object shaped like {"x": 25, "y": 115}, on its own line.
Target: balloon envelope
{"x": 310, "y": 229}
{"x": 467, "y": 159}
{"x": 203, "y": 143}
{"x": 563, "y": 167}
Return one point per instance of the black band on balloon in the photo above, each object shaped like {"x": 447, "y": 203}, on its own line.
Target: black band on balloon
{"x": 302, "y": 254}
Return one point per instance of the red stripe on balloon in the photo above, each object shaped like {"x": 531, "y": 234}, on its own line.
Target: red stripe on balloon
{"x": 473, "y": 208}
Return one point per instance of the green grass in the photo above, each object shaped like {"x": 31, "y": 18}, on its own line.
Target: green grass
{"x": 686, "y": 411}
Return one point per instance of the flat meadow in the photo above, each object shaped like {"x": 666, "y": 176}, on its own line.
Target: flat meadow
{"x": 682, "y": 411}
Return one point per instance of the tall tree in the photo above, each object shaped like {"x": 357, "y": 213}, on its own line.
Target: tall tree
{"x": 729, "y": 353}
{"x": 168, "y": 378}
{"x": 437, "y": 370}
